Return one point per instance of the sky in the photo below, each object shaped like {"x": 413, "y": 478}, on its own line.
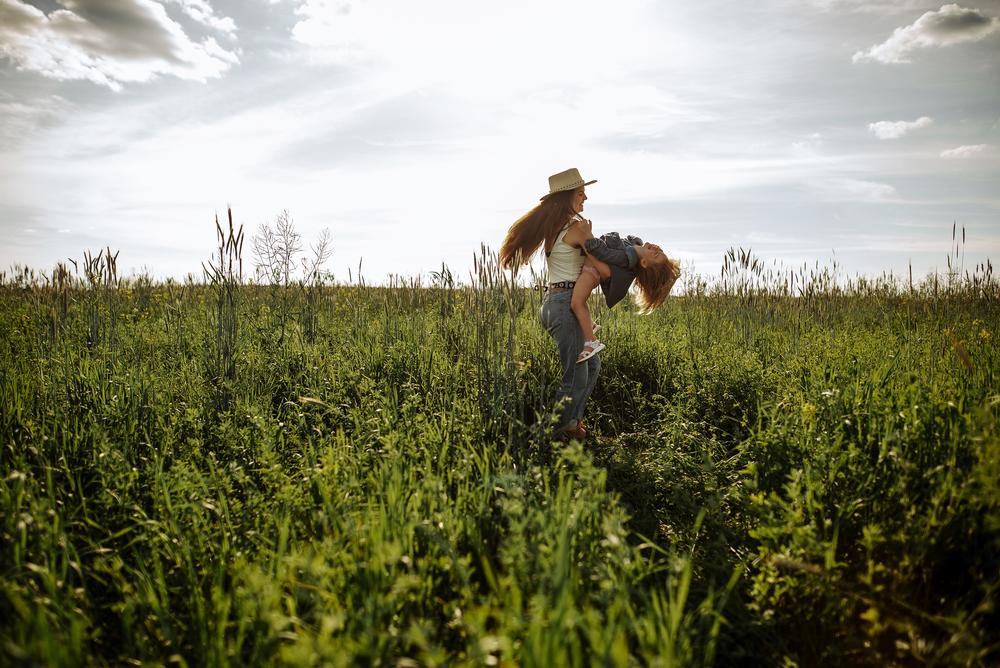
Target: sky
{"x": 808, "y": 131}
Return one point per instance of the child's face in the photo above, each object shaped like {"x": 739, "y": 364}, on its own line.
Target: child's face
{"x": 653, "y": 255}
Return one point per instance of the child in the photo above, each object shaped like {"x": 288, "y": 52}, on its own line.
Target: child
{"x": 614, "y": 263}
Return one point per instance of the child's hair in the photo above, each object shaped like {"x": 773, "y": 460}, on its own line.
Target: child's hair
{"x": 655, "y": 283}
{"x": 542, "y": 224}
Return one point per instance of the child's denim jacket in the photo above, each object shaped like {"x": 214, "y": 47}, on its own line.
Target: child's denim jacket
{"x": 621, "y": 257}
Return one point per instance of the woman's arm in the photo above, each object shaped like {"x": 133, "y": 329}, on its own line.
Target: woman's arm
{"x": 579, "y": 232}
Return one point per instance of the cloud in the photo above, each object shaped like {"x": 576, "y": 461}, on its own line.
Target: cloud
{"x": 498, "y": 51}
{"x": 341, "y": 30}
{"x": 809, "y": 144}
{"x": 896, "y": 129}
{"x": 109, "y": 42}
{"x": 23, "y": 118}
{"x": 867, "y": 6}
{"x": 964, "y": 151}
{"x": 869, "y": 191}
{"x": 381, "y": 132}
{"x": 845, "y": 189}
{"x": 202, "y": 12}
{"x": 947, "y": 26}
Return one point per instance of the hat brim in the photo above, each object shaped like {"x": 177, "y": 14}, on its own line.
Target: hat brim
{"x": 562, "y": 190}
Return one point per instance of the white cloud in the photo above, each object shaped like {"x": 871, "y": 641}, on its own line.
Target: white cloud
{"x": 947, "y": 26}
{"x": 896, "y": 129}
{"x": 488, "y": 50}
{"x": 867, "y": 6}
{"x": 846, "y": 189}
{"x": 337, "y": 28}
{"x": 23, "y": 118}
{"x": 108, "y": 42}
{"x": 870, "y": 191}
{"x": 202, "y": 12}
{"x": 809, "y": 144}
{"x": 964, "y": 151}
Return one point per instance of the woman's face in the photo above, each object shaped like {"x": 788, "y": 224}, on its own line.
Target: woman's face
{"x": 579, "y": 197}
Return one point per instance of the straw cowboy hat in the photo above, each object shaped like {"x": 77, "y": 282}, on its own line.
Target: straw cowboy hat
{"x": 568, "y": 180}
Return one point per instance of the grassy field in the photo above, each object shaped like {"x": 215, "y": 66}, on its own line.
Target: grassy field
{"x": 782, "y": 471}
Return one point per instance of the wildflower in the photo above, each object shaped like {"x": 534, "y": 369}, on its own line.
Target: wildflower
{"x": 808, "y": 411}
{"x": 985, "y": 335}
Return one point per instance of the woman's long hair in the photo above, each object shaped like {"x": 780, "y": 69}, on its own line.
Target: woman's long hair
{"x": 542, "y": 224}
{"x": 655, "y": 283}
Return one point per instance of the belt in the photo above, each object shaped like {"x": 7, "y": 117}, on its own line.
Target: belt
{"x": 561, "y": 285}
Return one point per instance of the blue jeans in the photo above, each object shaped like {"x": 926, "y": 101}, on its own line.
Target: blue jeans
{"x": 578, "y": 380}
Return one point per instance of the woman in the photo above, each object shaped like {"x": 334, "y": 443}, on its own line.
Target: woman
{"x": 556, "y": 223}
{"x": 567, "y": 237}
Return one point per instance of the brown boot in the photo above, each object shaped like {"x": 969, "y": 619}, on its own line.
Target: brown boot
{"x": 577, "y": 432}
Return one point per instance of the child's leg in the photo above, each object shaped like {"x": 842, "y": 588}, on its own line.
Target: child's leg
{"x": 603, "y": 270}
{"x": 585, "y": 284}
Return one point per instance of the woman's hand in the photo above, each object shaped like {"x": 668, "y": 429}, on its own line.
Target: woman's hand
{"x": 579, "y": 232}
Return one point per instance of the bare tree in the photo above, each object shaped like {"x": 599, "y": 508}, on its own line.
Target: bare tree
{"x": 313, "y": 278}
{"x": 312, "y": 268}
{"x": 276, "y": 249}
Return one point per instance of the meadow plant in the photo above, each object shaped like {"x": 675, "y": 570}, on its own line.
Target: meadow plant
{"x": 277, "y": 253}
{"x": 100, "y": 299}
{"x": 787, "y": 467}
{"x": 224, "y": 275}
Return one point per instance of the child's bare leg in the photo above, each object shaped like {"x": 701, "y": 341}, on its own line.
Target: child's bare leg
{"x": 603, "y": 270}
{"x": 588, "y": 280}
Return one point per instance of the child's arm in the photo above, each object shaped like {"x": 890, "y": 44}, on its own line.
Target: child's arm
{"x": 625, "y": 257}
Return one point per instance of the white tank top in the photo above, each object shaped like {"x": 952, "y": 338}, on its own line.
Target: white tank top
{"x": 564, "y": 261}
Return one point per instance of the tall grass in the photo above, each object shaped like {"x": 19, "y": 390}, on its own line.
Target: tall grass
{"x": 787, "y": 467}
{"x": 100, "y": 303}
{"x": 224, "y": 275}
